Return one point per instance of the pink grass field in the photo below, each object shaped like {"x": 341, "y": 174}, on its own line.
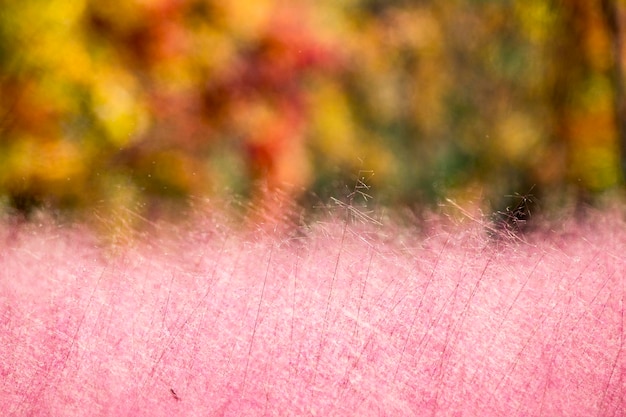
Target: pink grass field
{"x": 333, "y": 319}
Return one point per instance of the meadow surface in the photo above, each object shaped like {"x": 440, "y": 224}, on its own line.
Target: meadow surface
{"x": 333, "y": 319}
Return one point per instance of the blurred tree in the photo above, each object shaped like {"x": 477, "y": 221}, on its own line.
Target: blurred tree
{"x": 143, "y": 93}
{"x": 614, "y": 17}
{"x": 584, "y": 93}
{"x": 114, "y": 105}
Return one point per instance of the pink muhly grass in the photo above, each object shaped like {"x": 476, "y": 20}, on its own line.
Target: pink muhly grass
{"x": 333, "y": 319}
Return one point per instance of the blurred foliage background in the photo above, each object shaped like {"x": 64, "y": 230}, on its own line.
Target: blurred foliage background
{"x": 144, "y": 103}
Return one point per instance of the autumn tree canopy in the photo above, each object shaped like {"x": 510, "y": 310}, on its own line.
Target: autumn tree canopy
{"x": 134, "y": 103}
